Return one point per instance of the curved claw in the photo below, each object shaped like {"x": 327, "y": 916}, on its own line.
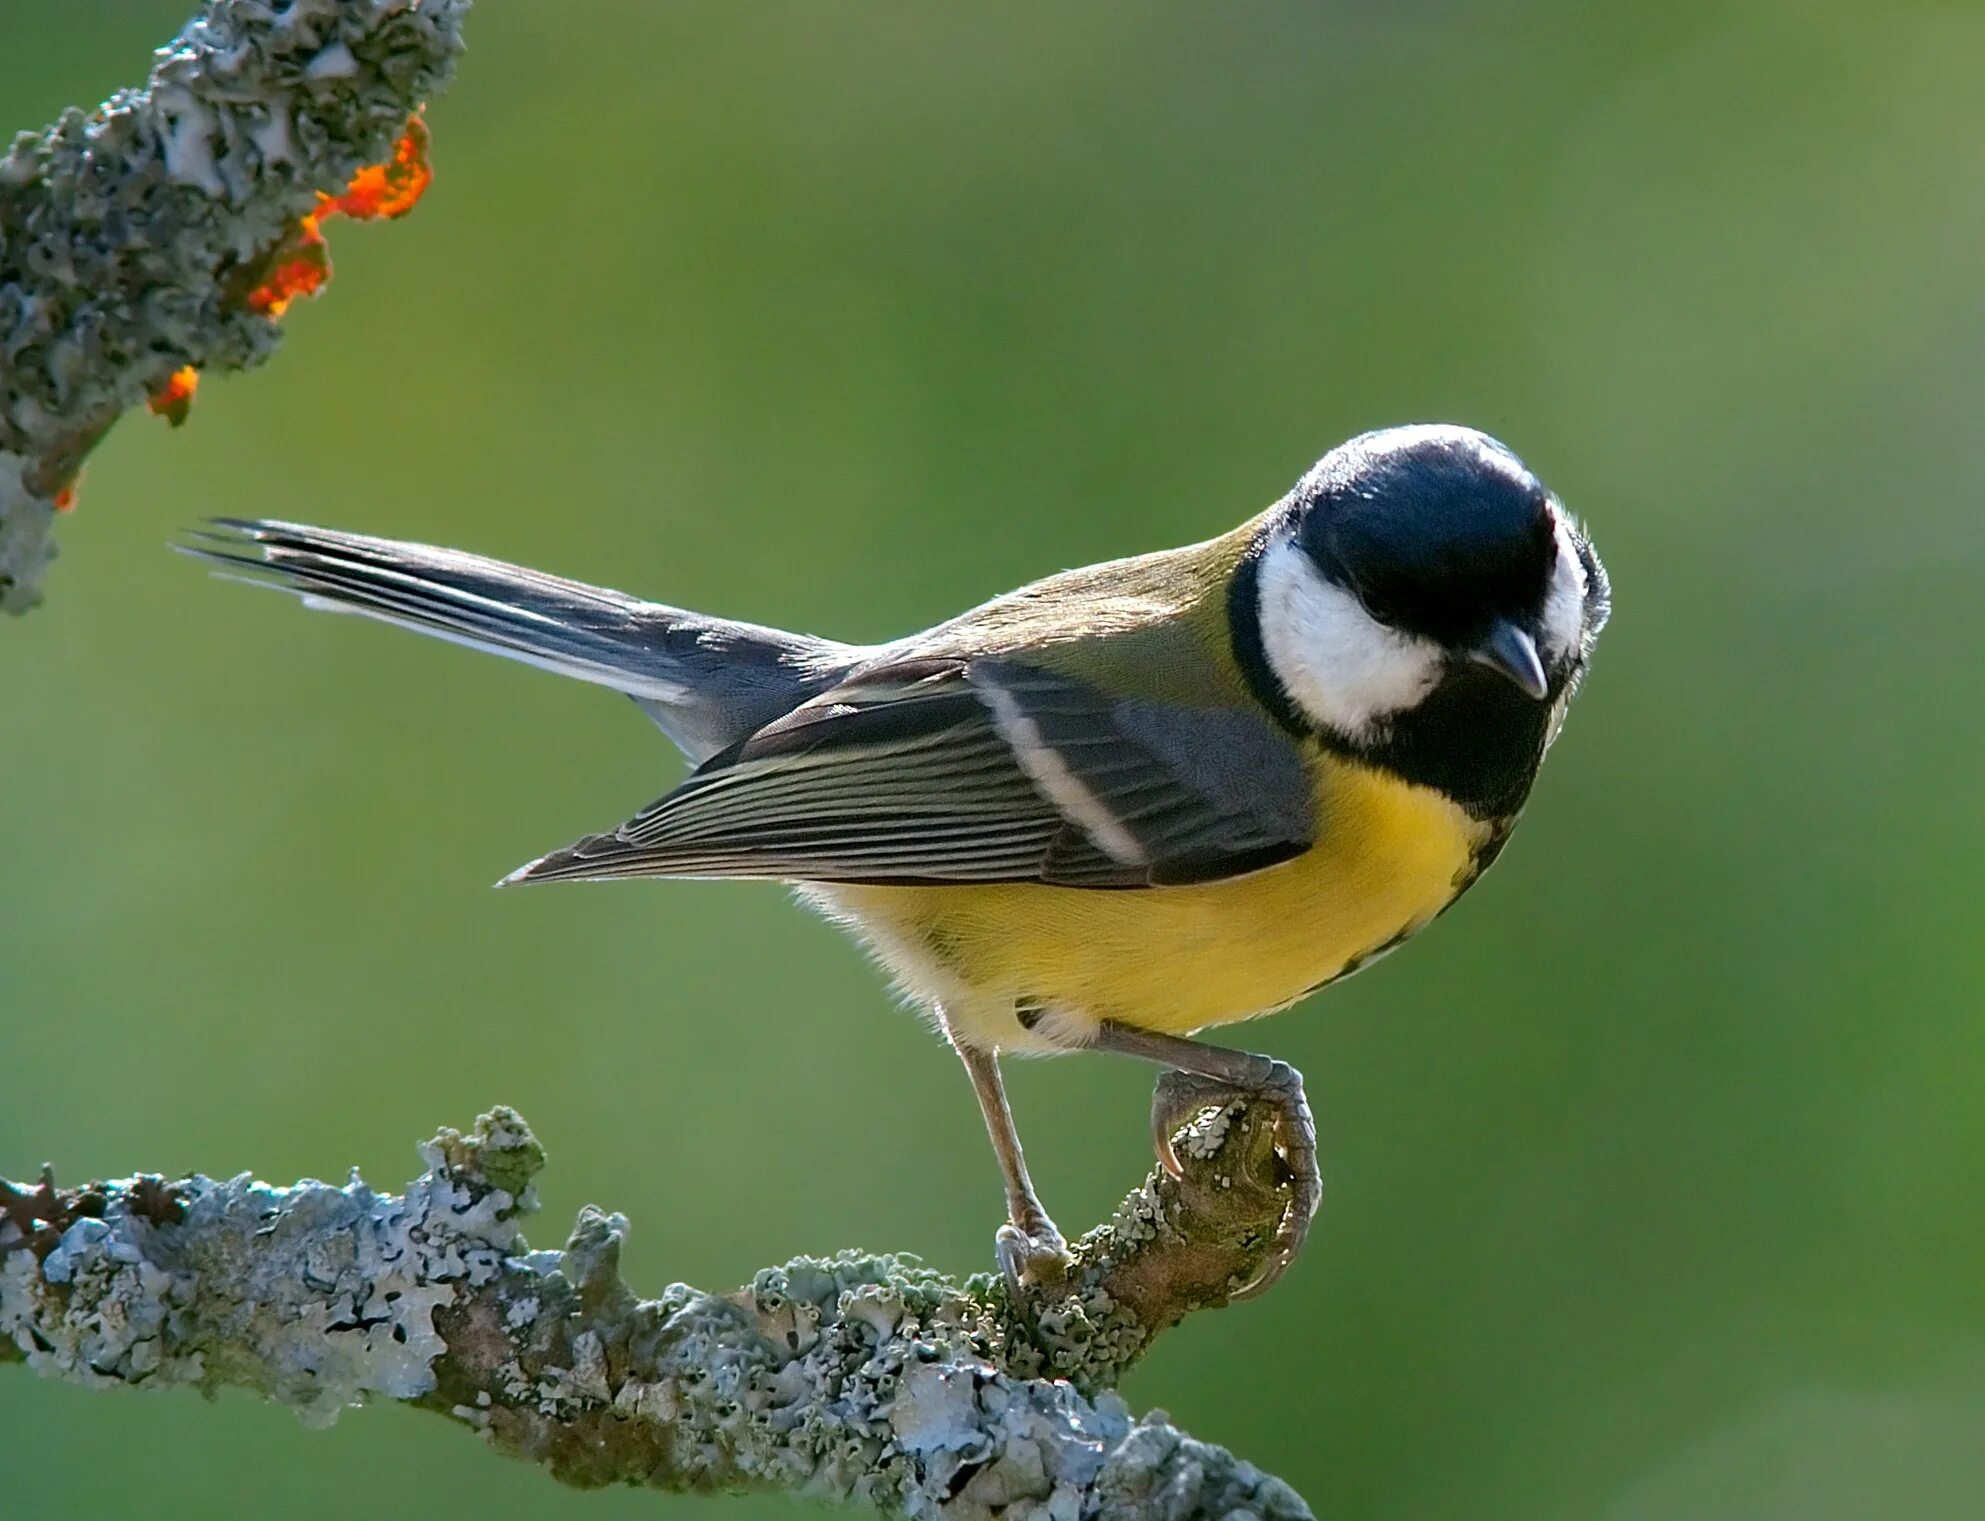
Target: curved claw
{"x": 1180, "y": 1096}
{"x": 1178, "y": 1099}
{"x": 1031, "y": 1258}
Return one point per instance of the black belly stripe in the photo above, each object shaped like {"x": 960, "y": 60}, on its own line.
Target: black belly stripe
{"x": 1360, "y": 961}
{"x": 1479, "y": 861}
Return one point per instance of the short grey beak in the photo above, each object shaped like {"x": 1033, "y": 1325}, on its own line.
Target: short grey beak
{"x": 1510, "y": 652}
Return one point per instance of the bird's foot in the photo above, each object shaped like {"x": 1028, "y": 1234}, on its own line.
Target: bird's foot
{"x": 1032, "y": 1257}
{"x": 1181, "y": 1097}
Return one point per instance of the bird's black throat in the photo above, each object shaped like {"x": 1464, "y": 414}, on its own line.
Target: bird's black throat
{"x": 1475, "y": 738}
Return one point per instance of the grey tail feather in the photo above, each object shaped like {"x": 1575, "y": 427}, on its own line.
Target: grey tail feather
{"x": 596, "y": 858}
{"x": 707, "y": 681}
{"x": 612, "y": 856}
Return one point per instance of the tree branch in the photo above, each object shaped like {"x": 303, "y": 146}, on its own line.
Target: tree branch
{"x": 854, "y": 1378}
{"x": 131, "y": 236}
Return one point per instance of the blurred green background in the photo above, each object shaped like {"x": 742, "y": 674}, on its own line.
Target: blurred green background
{"x": 1656, "y": 1174}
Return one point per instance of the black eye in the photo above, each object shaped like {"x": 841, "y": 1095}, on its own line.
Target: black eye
{"x": 1376, "y": 605}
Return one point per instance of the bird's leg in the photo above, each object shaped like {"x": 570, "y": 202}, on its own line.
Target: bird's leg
{"x": 1031, "y": 1251}
{"x": 1203, "y": 1077}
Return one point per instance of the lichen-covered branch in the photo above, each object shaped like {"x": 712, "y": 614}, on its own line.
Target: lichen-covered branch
{"x": 856, "y": 1378}
{"x": 132, "y": 236}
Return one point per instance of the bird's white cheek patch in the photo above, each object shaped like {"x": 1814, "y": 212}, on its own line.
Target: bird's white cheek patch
{"x": 1341, "y": 666}
{"x": 1564, "y": 602}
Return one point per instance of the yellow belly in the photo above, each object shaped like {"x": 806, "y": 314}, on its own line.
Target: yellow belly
{"x": 1389, "y": 857}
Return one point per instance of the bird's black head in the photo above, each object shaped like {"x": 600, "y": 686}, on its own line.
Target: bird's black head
{"x": 1438, "y": 532}
{"x": 1421, "y": 601}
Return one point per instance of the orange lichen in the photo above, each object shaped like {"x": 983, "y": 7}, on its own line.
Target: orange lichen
{"x": 297, "y": 266}
{"x": 390, "y": 189}
{"x": 301, "y": 263}
{"x": 174, "y": 399}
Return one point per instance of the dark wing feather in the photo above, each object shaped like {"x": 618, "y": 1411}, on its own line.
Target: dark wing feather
{"x": 972, "y": 771}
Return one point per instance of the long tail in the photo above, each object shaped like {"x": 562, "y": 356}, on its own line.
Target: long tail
{"x": 707, "y": 681}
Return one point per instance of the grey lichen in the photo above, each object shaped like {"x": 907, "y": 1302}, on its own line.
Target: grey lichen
{"x": 129, "y": 235}
{"x": 313, "y": 1295}
{"x": 857, "y": 1378}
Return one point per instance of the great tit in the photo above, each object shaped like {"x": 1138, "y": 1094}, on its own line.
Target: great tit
{"x": 1107, "y": 810}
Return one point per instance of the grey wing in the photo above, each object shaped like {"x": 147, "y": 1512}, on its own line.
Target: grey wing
{"x": 983, "y": 770}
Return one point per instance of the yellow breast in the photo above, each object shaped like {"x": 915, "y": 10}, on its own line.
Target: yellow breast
{"x": 1389, "y": 856}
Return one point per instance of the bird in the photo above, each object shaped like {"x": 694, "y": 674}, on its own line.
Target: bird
{"x": 1108, "y": 810}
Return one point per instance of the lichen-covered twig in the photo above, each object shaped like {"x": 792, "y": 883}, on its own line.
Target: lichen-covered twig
{"x": 855, "y": 1378}
{"x": 132, "y": 236}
